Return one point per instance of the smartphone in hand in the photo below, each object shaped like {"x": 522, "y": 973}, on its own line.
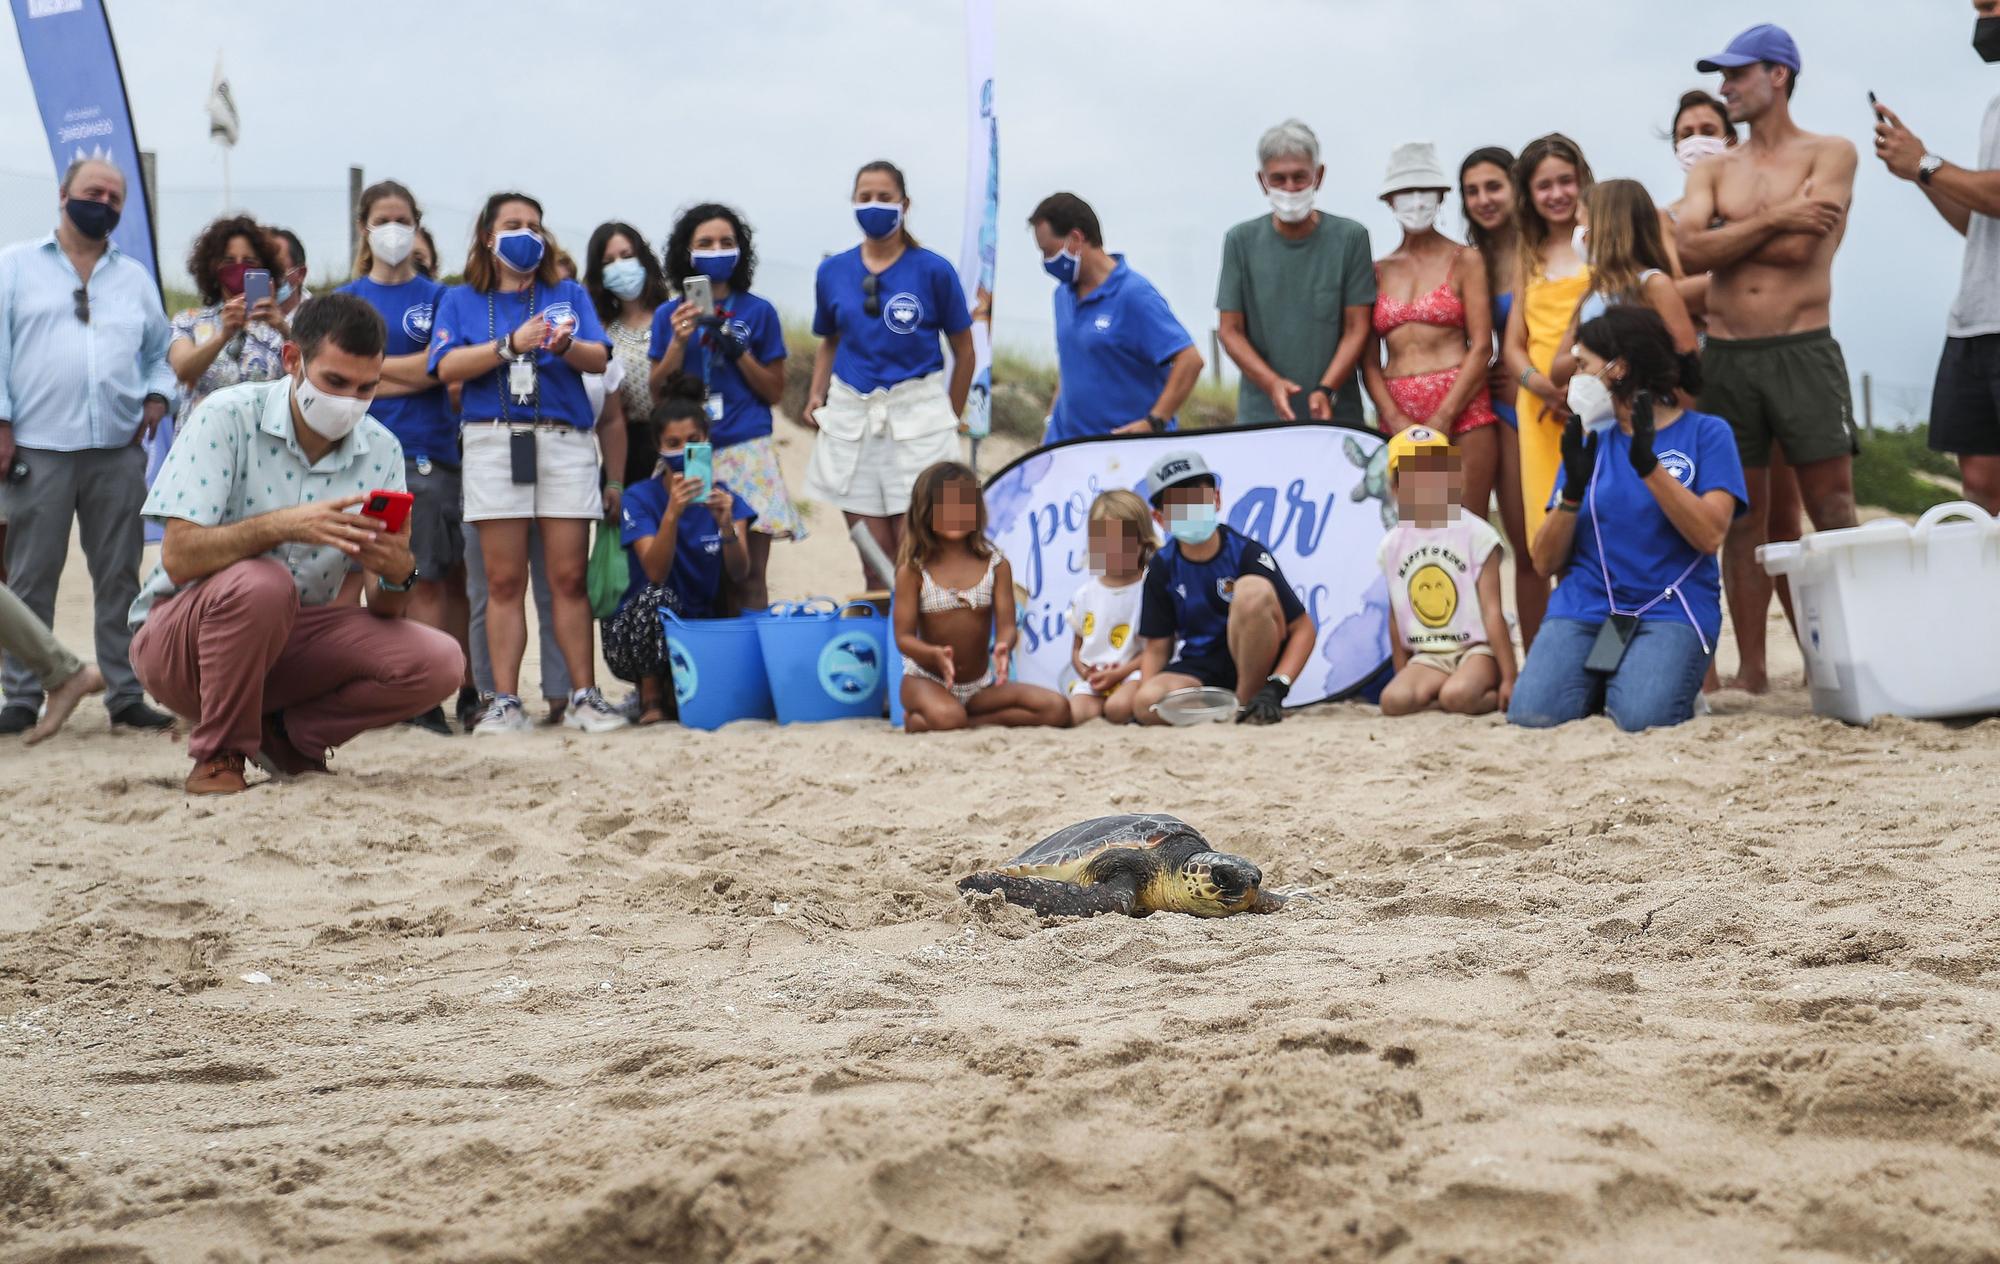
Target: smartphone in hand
{"x": 700, "y": 294}
{"x": 700, "y": 464}
{"x": 392, "y": 509}
{"x": 256, "y": 286}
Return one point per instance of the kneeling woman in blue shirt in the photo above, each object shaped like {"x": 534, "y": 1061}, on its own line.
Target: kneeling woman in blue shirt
{"x": 879, "y": 398}
{"x": 685, "y": 554}
{"x": 1645, "y": 496}
{"x": 520, "y": 338}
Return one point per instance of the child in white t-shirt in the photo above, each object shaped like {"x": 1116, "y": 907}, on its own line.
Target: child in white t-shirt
{"x": 1446, "y": 628}
{"x": 1104, "y": 613}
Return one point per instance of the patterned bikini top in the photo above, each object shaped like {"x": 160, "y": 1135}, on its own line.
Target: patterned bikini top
{"x": 936, "y": 598}
{"x": 1439, "y": 307}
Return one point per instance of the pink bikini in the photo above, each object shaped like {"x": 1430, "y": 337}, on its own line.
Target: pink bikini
{"x": 1420, "y": 394}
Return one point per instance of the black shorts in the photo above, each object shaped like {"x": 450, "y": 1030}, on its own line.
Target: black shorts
{"x": 1965, "y": 402}
{"x": 1216, "y": 670}
{"x": 1791, "y": 388}
{"x": 437, "y": 526}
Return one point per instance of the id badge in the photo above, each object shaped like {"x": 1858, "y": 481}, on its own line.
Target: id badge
{"x": 713, "y": 407}
{"x": 1613, "y": 637}
{"x": 521, "y": 380}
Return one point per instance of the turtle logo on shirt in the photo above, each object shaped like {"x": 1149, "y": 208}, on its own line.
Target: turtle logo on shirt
{"x": 417, "y": 321}
{"x": 1102, "y": 323}
{"x": 557, "y": 313}
{"x": 1679, "y": 464}
{"x": 903, "y": 312}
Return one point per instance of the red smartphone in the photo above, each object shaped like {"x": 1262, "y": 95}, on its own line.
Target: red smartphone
{"x": 393, "y": 508}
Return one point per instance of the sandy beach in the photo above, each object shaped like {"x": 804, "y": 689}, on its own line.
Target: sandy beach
{"x": 1728, "y": 991}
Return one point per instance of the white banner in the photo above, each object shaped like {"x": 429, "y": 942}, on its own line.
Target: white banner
{"x": 1314, "y": 494}
{"x": 982, "y": 210}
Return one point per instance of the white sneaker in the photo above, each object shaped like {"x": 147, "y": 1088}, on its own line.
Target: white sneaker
{"x": 503, "y": 715}
{"x": 589, "y": 712}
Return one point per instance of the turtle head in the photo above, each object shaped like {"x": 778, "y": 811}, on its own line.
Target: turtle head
{"x": 1215, "y": 884}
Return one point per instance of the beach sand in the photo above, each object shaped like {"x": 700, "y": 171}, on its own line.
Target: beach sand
{"x": 1723, "y": 992}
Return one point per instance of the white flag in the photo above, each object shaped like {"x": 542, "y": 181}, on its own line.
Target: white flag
{"x": 223, "y": 124}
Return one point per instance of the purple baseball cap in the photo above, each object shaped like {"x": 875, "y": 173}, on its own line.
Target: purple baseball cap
{"x": 1767, "y": 42}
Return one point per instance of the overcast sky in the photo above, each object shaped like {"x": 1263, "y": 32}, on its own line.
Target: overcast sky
{"x": 1149, "y": 109}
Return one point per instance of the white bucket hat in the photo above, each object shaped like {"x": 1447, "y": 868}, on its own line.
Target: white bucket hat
{"x": 1414, "y": 165}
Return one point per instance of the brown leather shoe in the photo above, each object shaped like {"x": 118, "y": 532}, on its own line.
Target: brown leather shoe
{"x": 218, "y": 774}
{"x": 279, "y": 757}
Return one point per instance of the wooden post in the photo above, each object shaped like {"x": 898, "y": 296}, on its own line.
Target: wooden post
{"x": 1868, "y": 401}
{"x": 1215, "y": 354}
{"x": 353, "y": 213}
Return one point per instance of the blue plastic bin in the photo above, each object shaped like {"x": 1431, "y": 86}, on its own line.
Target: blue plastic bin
{"x": 824, "y": 662}
{"x": 718, "y": 670}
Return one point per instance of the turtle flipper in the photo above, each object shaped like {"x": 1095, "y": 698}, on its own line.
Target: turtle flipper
{"x": 1056, "y": 899}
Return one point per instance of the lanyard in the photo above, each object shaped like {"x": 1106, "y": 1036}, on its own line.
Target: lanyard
{"x": 709, "y": 348}
{"x": 1671, "y": 590}
{"x": 493, "y": 331}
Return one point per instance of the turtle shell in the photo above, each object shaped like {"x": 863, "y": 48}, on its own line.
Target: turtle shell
{"x": 1068, "y": 849}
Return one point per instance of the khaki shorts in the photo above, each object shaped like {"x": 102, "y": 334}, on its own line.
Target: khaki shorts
{"x": 1449, "y": 663}
{"x": 1792, "y": 389}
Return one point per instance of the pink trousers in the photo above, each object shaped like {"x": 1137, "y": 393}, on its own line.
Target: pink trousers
{"x": 238, "y": 646}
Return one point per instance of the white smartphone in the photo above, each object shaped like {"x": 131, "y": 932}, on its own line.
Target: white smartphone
{"x": 700, "y": 293}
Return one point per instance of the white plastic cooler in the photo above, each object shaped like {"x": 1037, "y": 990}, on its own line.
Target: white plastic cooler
{"x": 1898, "y": 619}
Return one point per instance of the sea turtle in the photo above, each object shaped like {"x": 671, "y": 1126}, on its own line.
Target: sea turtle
{"x": 1134, "y": 864}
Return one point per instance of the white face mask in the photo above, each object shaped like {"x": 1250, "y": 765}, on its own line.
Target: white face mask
{"x": 392, "y": 243}
{"x": 1579, "y": 241}
{"x": 1416, "y": 209}
{"x": 1695, "y": 148}
{"x": 1291, "y": 208}
{"x": 1590, "y": 400}
{"x": 332, "y": 417}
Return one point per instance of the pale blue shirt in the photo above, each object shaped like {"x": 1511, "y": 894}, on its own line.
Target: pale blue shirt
{"x": 66, "y": 385}
{"x": 237, "y": 456}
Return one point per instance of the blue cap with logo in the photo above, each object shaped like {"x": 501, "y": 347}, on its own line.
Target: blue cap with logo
{"x": 1766, "y": 42}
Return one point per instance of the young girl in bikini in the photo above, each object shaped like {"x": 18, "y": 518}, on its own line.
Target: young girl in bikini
{"x": 954, "y": 598}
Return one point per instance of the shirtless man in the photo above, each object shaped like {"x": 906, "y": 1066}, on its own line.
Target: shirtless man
{"x": 1765, "y": 218}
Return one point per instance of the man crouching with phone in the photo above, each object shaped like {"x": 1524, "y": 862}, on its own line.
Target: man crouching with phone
{"x": 235, "y": 629}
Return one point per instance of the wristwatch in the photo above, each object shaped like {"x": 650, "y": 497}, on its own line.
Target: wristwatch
{"x": 1927, "y": 167}
{"x": 504, "y": 348}
{"x": 1281, "y": 678}
{"x": 1158, "y": 425}
{"x": 1324, "y": 389}
{"x": 382, "y": 581}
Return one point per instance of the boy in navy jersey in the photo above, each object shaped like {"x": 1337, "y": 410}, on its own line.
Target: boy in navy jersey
{"x": 1217, "y": 610}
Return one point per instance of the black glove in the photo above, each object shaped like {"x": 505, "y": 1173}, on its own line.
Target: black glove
{"x": 1579, "y": 453}
{"x": 731, "y": 345}
{"x": 1268, "y": 707}
{"x": 1643, "y": 460}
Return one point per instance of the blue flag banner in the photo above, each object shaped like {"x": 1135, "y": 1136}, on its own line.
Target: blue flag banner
{"x": 74, "y": 68}
{"x": 1314, "y": 494}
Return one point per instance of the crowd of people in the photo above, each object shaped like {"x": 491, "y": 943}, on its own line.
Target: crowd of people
{"x": 365, "y": 487}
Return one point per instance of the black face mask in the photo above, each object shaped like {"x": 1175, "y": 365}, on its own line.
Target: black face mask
{"x": 1986, "y": 39}
{"x": 94, "y": 220}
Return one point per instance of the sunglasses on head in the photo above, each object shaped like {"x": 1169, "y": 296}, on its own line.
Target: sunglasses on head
{"x": 871, "y": 301}
{"x": 82, "y": 297}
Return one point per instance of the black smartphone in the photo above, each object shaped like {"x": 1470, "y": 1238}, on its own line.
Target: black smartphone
{"x": 1874, "y": 106}
{"x": 18, "y": 471}
{"x": 1608, "y": 650}
{"x": 521, "y": 451}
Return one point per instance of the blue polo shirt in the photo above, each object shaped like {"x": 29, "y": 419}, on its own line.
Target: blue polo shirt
{"x": 1640, "y": 546}
{"x": 918, "y": 297}
{"x": 744, "y": 415}
{"x": 696, "y": 572}
{"x": 421, "y": 422}
{"x": 1112, "y": 347}
{"x": 471, "y": 318}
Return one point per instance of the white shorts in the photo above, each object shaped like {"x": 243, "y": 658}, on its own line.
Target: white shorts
{"x": 871, "y": 448}
{"x": 565, "y": 483}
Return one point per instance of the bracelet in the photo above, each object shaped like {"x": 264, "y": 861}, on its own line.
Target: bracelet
{"x": 614, "y": 487}
{"x": 1569, "y": 506}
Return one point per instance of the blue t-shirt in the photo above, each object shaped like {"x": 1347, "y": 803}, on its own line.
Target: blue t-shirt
{"x": 1190, "y": 600}
{"x": 744, "y": 415}
{"x": 1641, "y": 547}
{"x": 422, "y": 422}
{"x": 1112, "y": 347}
{"x": 696, "y": 573}
{"x": 918, "y": 296}
{"x": 468, "y": 318}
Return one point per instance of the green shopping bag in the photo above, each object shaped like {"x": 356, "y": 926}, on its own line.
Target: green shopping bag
{"x": 609, "y": 574}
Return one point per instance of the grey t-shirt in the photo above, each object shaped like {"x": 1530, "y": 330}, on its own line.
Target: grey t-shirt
{"x": 1977, "y": 310}
{"x": 1292, "y": 294}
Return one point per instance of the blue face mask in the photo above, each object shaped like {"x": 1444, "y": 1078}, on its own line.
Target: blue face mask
{"x": 625, "y": 277}
{"x": 285, "y": 292}
{"x": 675, "y": 461}
{"x": 716, "y": 265}
{"x": 1193, "y": 524}
{"x": 1062, "y": 266}
{"x": 519, "y": 248}
{"x": 878, "y": 219}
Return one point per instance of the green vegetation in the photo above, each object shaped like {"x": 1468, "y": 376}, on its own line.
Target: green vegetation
{"x": 1886, "y": 472}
